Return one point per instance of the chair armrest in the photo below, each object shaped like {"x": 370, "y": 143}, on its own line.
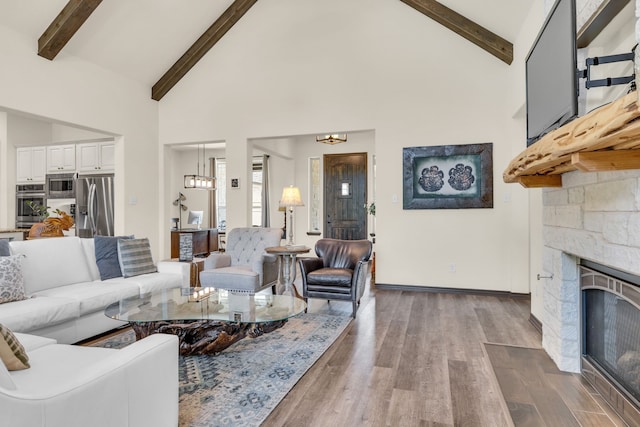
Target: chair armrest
{"x": 360, "y": 277}
{"x": 267, "y": 268}
{"x": 307, "y": 265}
{"x": 217, "y": 260}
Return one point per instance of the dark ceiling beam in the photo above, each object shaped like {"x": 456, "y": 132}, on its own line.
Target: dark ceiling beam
{"x": 200, "y": 48}
{"x": 480, "y": 36}
{"x": 68, "y": 21}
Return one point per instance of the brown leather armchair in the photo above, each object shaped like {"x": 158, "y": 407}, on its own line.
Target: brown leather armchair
{"x": 339, "y": 272}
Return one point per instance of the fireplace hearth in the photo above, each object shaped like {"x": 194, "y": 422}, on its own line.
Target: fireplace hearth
{"x": 610, "y": 324}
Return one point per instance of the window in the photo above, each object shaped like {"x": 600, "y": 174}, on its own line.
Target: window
{"x": 221, "y": 194}
{"x": 256, "y": 188}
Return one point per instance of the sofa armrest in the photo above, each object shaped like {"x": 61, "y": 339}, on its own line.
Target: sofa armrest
{"x": 137, "y": 385}
{"x": 176, "y": 267}
{"x": 217, "y": 260}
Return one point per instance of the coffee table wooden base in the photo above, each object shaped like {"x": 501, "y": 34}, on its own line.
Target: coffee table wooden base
{"x": 205, "y": 336}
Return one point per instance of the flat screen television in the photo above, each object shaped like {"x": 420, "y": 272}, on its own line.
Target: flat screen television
{"x": 551, "y": 73}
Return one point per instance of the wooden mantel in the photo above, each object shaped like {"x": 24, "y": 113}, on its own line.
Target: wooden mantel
{"x": 605, "y": 139}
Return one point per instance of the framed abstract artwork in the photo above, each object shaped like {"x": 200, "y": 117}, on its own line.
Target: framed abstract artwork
{"x": 448, "y": 177}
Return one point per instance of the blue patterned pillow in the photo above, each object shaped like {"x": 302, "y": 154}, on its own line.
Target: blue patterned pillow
{"x": 106, "y": 250}
{"x": 135, "y": 257}
{"x": 4, "y": 248}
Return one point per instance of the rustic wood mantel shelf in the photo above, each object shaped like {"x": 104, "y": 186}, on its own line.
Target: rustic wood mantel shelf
{"x": 605, "y": 139}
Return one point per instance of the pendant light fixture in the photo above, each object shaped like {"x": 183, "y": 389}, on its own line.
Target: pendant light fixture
{"x": 202, "y": 182}
{"x": 332, "y": 139}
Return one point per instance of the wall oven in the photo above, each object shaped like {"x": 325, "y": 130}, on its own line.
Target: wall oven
{"x": 61, "y": 186}
{"x": 25, "y": 217}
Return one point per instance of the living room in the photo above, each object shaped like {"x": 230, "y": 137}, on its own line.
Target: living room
{"x": 292, "y": 70}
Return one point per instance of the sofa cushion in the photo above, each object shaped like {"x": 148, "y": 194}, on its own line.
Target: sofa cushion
{"x": 31, "y": 342}
{"x": 93, "y": 296}
{"x": 106, "y": 252}
{"x": 242, "y": 277}
{"x": 51, "y": 262}
{"x": 4, "y": 248}
{"x": 151, "y": 282}
{"x": 135, "y": 257}
{"x": 36, "y": 312}
{"x": 12, "y": 352}
{"x": 11, "y": 280}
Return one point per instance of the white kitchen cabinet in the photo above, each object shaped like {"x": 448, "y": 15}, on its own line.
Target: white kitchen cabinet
{"x": 95, "y": 157}
{"x": 61, "y": 158}
{"x": 31, "y": 165}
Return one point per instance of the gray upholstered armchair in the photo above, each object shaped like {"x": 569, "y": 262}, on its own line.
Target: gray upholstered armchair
{"x": 339, "y": 272}
{"x": 244, "y": 266}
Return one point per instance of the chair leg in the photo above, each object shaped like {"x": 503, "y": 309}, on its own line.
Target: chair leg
{"x": 306, "y": 300}
{"x": 355, "y": 308}
{"x": 273, "y": 289}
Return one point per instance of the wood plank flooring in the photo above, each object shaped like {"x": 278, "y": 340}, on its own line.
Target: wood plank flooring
{"x": 419, "y": 359}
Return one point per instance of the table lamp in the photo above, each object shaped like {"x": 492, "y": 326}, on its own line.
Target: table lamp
{"x": 290, "y": 199}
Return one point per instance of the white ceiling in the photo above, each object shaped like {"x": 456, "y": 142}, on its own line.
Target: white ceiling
{"x": 142, "y": 39}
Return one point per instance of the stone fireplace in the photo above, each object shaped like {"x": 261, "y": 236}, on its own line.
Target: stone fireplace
{"x": 596, "y": 217}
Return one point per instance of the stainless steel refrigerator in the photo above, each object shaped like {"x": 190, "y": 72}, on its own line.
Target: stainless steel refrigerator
{"x": 94, "y": 205}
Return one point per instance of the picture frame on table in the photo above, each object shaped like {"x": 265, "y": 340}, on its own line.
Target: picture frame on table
{"x": 448, "y": 177}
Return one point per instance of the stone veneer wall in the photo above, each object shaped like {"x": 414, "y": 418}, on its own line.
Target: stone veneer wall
{"x": 595, "y": 216}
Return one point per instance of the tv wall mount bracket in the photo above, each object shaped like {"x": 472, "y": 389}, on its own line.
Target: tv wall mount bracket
{"x": 609, "y": 81}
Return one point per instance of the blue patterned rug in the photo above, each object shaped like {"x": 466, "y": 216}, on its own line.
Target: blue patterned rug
{"x": 244, "y": 383}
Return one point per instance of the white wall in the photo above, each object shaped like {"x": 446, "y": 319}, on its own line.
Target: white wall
{"x": 305, "y": 67}
{"x": 71, "y": 91}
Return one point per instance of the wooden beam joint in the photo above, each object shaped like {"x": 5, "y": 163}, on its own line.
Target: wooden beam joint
{"x": 540, "y": 181}
{"x": 601, "y": 161}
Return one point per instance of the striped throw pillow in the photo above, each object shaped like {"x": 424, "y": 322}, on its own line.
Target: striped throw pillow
{"x": 135, "y": 258}
{"x": 12, "y": 352}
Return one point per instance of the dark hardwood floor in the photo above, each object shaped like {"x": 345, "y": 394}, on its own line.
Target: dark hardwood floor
{"x": 419, "y": 359}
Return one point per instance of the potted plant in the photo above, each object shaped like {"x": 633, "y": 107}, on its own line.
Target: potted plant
{"x": 48, "y": 227}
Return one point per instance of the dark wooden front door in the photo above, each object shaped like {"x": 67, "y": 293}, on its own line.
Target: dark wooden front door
{"x": 345, "y": 196}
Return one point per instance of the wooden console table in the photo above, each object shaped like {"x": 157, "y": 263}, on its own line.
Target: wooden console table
{"x": 204, "y": 241}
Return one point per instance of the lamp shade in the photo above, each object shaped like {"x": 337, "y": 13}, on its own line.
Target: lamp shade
{"x": 291, "y": 197}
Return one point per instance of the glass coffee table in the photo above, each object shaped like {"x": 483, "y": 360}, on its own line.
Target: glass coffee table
{"x": 206, "y": 320}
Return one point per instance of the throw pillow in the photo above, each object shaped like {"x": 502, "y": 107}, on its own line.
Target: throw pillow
{"x": 4, "y": 247}
{"x": 11, "y": 279}
{"x": 106, "y": 250}
{"x": 12, "y": 352}
{"x": 135, "y": 257}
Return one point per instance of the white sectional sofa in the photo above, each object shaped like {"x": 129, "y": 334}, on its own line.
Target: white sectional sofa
{"x": 77, "y": 386}
{"x": 66, "y": 298}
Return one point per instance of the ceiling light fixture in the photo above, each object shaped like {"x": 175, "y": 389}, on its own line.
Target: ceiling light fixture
{"x": 332, "y": 139}
{"x": 197, "y": 181}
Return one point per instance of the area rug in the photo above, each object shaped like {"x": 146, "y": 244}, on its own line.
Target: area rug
{"x": 244, "y": 383}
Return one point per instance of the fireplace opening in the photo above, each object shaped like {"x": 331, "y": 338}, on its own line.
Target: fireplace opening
{"x": 611, "y": 336}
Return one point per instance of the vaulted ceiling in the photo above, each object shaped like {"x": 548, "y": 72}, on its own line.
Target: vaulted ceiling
{"x": 156, "y": 42}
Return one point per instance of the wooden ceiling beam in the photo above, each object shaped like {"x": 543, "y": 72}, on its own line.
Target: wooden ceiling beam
{"x": 200, "y": 48}
{"x": 68, "y": 21}
{"x": 480, "y": 36}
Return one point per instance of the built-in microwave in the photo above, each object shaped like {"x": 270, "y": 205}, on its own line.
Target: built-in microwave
{"x": 61, "y": 186}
